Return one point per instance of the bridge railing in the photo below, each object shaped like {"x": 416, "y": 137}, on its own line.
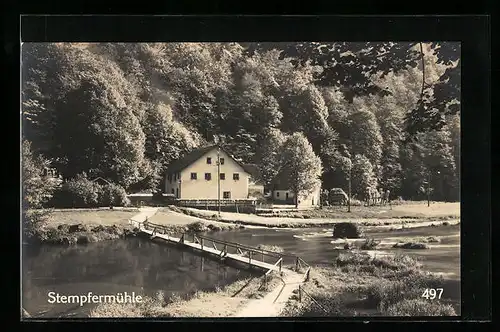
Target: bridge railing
{"x": 238, "y": 248}
{"x": 303, "y": 292}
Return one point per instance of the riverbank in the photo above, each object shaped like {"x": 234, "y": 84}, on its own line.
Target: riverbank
{"x": 400, "y": 210}
{"x": 81, "y": 226}
{"x": 296, "y": 222}
{"x": 357, "y": 284}
{"x": 222, "y": 302}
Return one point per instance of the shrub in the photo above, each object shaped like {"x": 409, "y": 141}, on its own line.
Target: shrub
{"x": 197, "y": 227}
{"x": 369, "y": 244}
{"x": 411, "y": 245}
{"x": 419, "y": 307}
{"x": 79, "y": 192}
{"x": 347, "y": 230}
{"x": 113, "y": 194}
{"x": 33, "y": 223}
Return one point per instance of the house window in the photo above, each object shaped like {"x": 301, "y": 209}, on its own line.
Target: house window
{"x": 194, "y": 176}
{"x": 236, "y": 176}
{"x": 173, "y": 191}
{"x": 222, "y": 176}
{"x": 209, "y": 160}
{"x": 227, "y": 194}
{"x": 208, "y": 176}
{"x": 277, "y": 194}
{"x": 221, "y": 161}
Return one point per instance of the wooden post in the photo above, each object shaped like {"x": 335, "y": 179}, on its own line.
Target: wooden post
{"x": 281, "y": 263}
{"x": 201, "y": 240}
{"x": 225, "y": 249}
{"x": 297, "y": 263}
{"x": 300, "y": 294}
{"x": 250, "y": 257}
{"x": 182, "y": 238}
{"x": 262, "y": 255}
{"x": 194, "y": 238}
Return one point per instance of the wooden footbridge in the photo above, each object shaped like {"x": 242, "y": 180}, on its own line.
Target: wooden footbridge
{"x": 222, "y": 250}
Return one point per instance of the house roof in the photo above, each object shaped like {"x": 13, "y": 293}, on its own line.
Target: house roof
{"x": 254, "y": 172}
{"x": 188, "y": 159}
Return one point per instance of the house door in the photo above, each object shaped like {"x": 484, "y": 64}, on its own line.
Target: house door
{"x": 286, "y": 196}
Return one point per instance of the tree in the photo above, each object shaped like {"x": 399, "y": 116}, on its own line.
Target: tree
{"x": 36, "y": 186}
{"x": 365, "y": 135}
{"x": 363, "y": 175}
{"x": 166, "y": 140}
{"x": 351, "y": 65}
{"x": 440, "y": 165}
{"x": 268, "y": 155}
{"x": 301, "y": 165}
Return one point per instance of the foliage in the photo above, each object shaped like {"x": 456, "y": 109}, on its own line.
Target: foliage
{"x": 347, "y": 230}
{"x": 79, "y": 192}
{"x": 112, "y": 194}
{"x": 301, "y": 165}
{"x": 363, "y": 175}
{"x": 34, "y": 222}
{"x": 420, "y": 308}
{"x": 37, "y": 188}
{"x": 124, "y": 111}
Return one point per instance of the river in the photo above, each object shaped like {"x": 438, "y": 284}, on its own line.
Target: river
{"x": 144, "y": 267}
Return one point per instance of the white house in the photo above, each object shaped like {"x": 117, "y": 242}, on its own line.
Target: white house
{"x": 195, "y": 175}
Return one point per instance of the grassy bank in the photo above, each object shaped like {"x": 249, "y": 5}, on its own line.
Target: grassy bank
{"x": 178, "y": 222}
{"x": 221, "y": 302}
{"x": 357, "y": 285}
{"x": 409, "y": 210}
{"x": 315, "y": 218}
{"x": 77, "y": 227}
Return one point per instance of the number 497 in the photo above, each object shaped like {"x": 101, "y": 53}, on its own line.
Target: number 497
{"x": 432, "y": 293}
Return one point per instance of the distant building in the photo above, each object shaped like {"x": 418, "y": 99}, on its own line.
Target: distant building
{"x": 280, "y": 190}
{"x": 195, "y": 176}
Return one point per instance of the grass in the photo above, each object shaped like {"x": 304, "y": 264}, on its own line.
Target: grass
{"x": 331, "y": 215}
{"x": 358, "y": 285}
{"x": 221, "y": 302}
{"x": 410, "y": 210}
{"x": 92, "y": 217}
{"x": 80, "y": 227}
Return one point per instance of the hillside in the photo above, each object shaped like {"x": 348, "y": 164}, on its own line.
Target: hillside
{"x": 125, "y": 111}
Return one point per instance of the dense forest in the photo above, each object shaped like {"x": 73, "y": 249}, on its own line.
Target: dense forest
{"x": 387, "y": 112}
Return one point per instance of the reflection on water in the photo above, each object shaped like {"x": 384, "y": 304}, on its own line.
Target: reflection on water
{"x": 141, "y": 266}
{"x": 110, "y": 267}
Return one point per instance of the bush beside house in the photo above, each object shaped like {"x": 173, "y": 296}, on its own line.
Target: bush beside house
{"x": 81, "y": 192}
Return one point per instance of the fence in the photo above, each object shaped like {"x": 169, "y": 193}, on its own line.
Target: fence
{"x": 226, "y": 205}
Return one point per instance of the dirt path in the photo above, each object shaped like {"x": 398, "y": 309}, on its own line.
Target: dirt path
{"x": 144, "y": 214}
{"x": 273, "y": 303}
